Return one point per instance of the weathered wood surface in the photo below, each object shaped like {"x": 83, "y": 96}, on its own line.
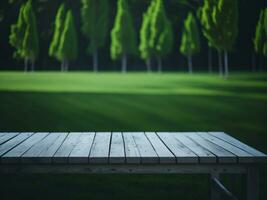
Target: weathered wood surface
{"x": 125, "y": 148}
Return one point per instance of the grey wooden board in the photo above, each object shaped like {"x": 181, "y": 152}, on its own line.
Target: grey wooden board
{"x": 165, "y": 155}
{"x": 204, "y": 155}
{"x": 7, "y": 136}
{"x": 10, "y": 144}
{"x": 2, "y": 134}
{"x": 45, "y": 156}
{"x": 131, "y": 151}
{"x": 100, "y": 148}
{"x": 13, "y": 156}
{"x": 183, "y": 154}
{"x": 117, "y": 153}
{"x": 242, "y": 155}
{"x": 32, "y": 155}
{"x": 223, "y": 156}
{"x": 146, "y": 150}
{"x": 223, "y": 136}
{"x": 80, "y": 153}
{"x": 62, "y": 154}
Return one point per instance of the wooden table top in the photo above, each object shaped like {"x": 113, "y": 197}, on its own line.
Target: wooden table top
{"x": 125, "y": 148}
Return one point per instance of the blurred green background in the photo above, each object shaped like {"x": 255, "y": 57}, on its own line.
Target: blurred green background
{"x": 131, "y": 102}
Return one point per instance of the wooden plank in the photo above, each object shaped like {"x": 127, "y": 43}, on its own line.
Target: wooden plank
{"x": 146, "y": 150}
{"x": 32, "y": 155}
{"x": 100, "y": 148}
{"x": 223, "y": 136}
{"x": 243, "y": 156}
{"x": 7, "y": 136}
{"x": 13, "y": 156}
{"x": 203, "y": 154}
{"x": 4, "y": 148}
{"x": 117, "y": 152}
{"x": 165, "y": 155}
{"x": 2, "y": 134}
{"x": 62, "y": 154}
{"x": 80, "y": 153}
{"x": 46, "y": 155}
{"x": 131, "y": 151}
{"x": 222, "y": 155}
{"x": 181, "y": 152}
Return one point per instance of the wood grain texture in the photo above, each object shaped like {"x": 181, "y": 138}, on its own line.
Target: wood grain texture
{"x": 62, "y": 154}
{"x": 12, "y": 143}
{"x": 117, "y": 151}
{"x": 14, "y": 155}
{"x": 203, "y": 154}
{"x": 4, "y": 137}
{"x": 223, "y": 156}
{"x": 183, "y": 154}
{"x": 164, "y": 154}
{"x": 80, "y": 153}
{"x": 100, "y": 148}
{"x": 131, "y": 151}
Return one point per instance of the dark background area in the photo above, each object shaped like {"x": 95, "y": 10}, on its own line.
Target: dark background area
{"x": 241, "y": 57}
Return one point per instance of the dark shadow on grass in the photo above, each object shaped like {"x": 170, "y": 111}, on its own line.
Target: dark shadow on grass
{"x": 33, "y": 111}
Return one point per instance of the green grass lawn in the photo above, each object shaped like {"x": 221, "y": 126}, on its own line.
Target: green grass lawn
{"x": 130, "y": 102}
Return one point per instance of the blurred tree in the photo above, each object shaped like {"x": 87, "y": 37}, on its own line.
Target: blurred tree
{"x": 145, "y": 36}
{"x": 208, "y": 28}
{"x": 68, "y": 49}
{"x": 94, "y": 16}
{"x": 123, "y": 35}
{"x": 260, "y": 38}
{"x": 190, "y": 44}
{"x": 161, "y": 39}
{"x": 24, "y": 36}
{"x": 226, "y": 19}
{"x": 16, "y": 36}
{"x": 58, "y": 30}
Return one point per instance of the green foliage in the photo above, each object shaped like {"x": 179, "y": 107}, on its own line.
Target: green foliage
{"x": 219, "y": 20}
{"x": 68, "y": 42}
{"x": 17, "y": 34}
{"x": 209, "y": 28}
{"x": 145, "y": 33}
{"x": 94, "y": 16}
{"x": 24, "y": 36}
{"x": 260, "y": 39}
{"x": 161, "y": 31}
{"x": 30, "y": 41}
{"x": 225, "y": 17}
{"x": 123, "y": 35}
{"x": 190, "y": 38}
{"x": 59, "y": 25}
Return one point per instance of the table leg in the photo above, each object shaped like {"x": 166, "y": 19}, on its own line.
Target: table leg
{"x": 253, "y": 183}
{"x": 214, "y": 193}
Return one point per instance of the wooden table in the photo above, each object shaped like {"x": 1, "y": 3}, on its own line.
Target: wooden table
{"x": 211, "y": 153}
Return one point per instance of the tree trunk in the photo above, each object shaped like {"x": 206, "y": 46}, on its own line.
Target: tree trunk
{"x": 32, "y": 65}
{"x": 159, "y": 64}
{"x": 25, "y": 64}
{"x": 124, "y": 63}
{"x": 226, "y": 67}
{"x": 148, "y": 65}
{"x": 210, "y": 60}
{"x": 220, "y": 63}
{"x": 190, "y": 64}
{"x": 95, "y": 61}
{"x": 62, "y": 65}
{"x": 66, "y": 65}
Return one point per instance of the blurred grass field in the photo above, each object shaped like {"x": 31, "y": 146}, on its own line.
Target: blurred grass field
{"x": 77, "y": 101}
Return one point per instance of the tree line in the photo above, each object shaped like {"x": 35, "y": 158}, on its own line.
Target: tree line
{"x": 217, "y": 19}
